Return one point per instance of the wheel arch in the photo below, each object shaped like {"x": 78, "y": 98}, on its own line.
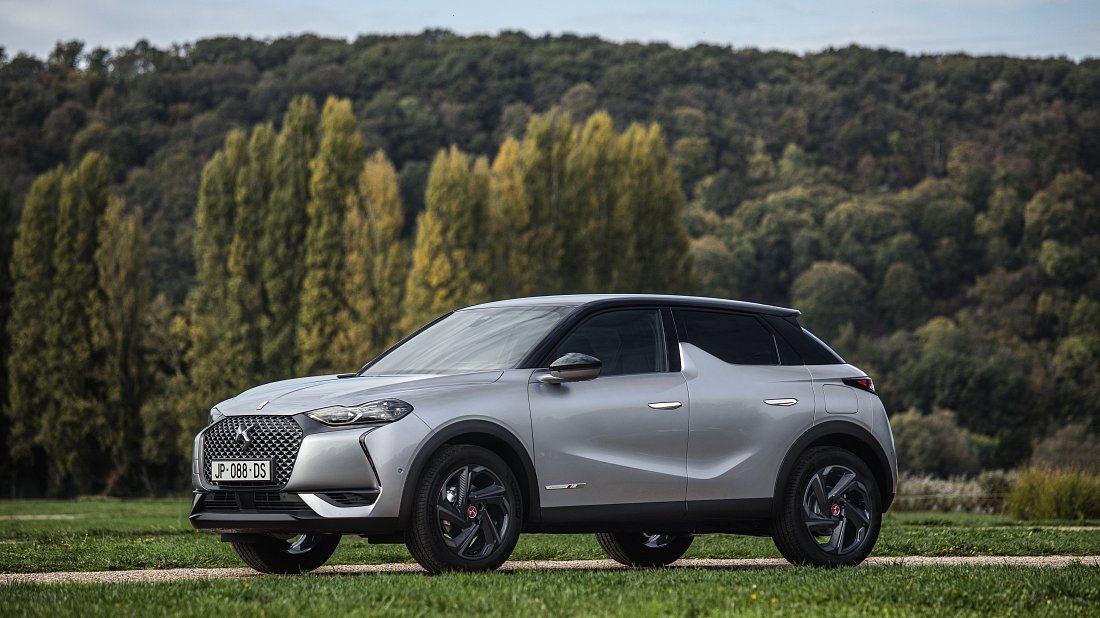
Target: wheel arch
{"x": 845, "y": 435}
{"x": 487, "y": 435}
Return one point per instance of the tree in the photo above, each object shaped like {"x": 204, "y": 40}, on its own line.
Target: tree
{"x": 283, "y": 236}
{"x": 545, "y": 149}
{"x": 209, "y": 377}
{"x": 118, "y": 312}
{"x": 594, "y": 161}
{"x": 7, "y": 237}
{"x": 514, "y": 273}
{"x": 657, "y": 256}
{"x": 451, "y": 259}
{"x": 333, "y": 170}
{"x": 32, "y": 279}
{"x": 934, "y": 444}
{"x": 376, "y": 264}
{"x": 244, "y": 302}
{"x": 1063, "y": 223}
{"x": 73, "y": 409}
{"x": 830, "y": 295}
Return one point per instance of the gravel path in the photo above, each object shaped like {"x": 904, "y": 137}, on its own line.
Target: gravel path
{"x": 160, "y": 575}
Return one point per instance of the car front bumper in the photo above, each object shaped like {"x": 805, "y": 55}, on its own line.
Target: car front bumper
{"x": 343, "y": 481}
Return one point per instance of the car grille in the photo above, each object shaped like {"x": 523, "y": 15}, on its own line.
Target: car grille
{"x": 260, "y": 502}
{"x": 277, "y": 438}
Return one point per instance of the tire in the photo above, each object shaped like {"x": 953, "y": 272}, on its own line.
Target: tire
{"x": 640, "y": 549}
{"x": 831, "y": 510}
{"x": 467, "y": 511}
{"x": 299, "y": 554}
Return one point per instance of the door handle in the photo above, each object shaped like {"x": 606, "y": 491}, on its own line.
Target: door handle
{"x": 665, "y": 405}
{"x": 789, "y": 401}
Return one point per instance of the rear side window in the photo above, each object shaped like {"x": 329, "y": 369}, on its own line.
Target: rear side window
{"x": 811, "y": 349}
{"x": 734, "y": 338}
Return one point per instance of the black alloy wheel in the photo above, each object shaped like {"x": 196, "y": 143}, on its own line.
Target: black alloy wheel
{"x": 467, "y": 511}
{"x": 830, "y": 514}
{"x": 834, "y": 510}
{"x": 473, "y": 510}
{"x": 284, "y": 554}
{"x": 644, "y": 549}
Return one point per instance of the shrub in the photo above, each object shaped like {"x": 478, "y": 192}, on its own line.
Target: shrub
{"x": 1044, "y": 493}
{"x": 934, "y": 444}
{"x": 984, "y": 494}
{"x": 1070, "y": 448}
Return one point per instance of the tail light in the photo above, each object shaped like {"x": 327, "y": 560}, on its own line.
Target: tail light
{"x": 863, "y": 384}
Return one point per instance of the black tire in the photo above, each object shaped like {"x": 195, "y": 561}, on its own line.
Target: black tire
{"x": 299, "y": 554}
{"x": 471, "y": 528}
{"x": 640, "y": 549}
{"x": 831, "y": 510}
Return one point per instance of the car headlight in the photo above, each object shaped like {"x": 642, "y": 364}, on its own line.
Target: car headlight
{"x": 381, "y": 411}
{"x": 215, "y": 416}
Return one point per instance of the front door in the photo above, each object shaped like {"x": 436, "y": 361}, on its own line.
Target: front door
{"x": 622, "y": 437}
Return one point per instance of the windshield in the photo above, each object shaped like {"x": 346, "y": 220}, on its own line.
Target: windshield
{"x": 469, "y": 340}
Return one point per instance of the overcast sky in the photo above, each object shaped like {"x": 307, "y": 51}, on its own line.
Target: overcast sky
{"x": 1017, "y": 27}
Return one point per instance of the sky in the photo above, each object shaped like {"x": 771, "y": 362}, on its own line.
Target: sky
{"x": 1032, "y": 28}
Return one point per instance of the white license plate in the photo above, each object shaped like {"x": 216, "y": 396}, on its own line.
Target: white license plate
{"x": 222, "y": 470}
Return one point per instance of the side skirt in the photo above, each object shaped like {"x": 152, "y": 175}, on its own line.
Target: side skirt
{"x": 742, "y": 516}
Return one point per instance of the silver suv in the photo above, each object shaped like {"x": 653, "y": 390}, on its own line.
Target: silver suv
{"x": 643, "y": 419}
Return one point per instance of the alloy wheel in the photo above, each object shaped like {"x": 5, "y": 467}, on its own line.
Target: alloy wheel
{"x": 473, "y": 511}
{"x": 835, "y": 510}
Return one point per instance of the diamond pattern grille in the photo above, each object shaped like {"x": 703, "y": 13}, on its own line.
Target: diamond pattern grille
{"x": 277, "y": 438}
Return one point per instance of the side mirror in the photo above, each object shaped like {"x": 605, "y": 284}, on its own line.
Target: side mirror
{"x": 573, "y": 367}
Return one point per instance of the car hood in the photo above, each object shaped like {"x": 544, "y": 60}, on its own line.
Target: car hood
{"x": 305, "y": 394}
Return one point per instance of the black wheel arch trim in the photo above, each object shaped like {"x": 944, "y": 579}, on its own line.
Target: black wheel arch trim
{"x": 451, "y": 434}
{"x": 842, "y": 434}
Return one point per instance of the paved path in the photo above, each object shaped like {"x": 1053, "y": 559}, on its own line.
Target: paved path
{"x": 160, "y": 575}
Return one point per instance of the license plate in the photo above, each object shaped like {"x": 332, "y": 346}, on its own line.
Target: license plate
{"x": 222, "y": 470}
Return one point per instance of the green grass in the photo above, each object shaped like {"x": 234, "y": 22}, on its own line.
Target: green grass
{"x": 97, "y": 535}
{"x": 892, "y": 590}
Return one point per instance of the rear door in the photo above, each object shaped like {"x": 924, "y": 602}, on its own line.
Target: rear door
{"x": 622, "y": 437}
{"x": 747, "y": 406}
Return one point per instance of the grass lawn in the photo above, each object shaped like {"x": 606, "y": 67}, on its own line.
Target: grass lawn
{"x": 97, "y": 535}
{"x": 803, "y": 591}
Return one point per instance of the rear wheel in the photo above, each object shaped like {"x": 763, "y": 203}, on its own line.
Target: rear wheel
{"x": 641, "y": 549}
{"x": 831, "y": 510}
{"x": 467, "y": 512}
{"x": 289, "y": 554}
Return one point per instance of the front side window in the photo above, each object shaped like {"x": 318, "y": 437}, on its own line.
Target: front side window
{"x": 626, "y": 342}
{"x": 485, "y": 339}
{"x": 734, "y": 338}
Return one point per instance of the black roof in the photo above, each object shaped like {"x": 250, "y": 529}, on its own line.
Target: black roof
{"x": 576, "y": 300}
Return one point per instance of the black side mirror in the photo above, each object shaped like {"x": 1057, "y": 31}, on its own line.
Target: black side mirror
{"x": 573, "y": 367}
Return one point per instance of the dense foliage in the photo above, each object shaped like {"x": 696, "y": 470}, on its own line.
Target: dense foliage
{"x": 936, "y": 218}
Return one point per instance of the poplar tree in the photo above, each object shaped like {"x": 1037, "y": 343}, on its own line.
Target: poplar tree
{"x": 510, "y": 226}
{"x": 650, "y": 205}
{"x": 283, "y": 237}
{"x": 376, "y": 264}
{"x": 7, "y": 236}
{"x": 209, "y": 378}
{"x": 594, "y": 162}
{"x": 333, "y": 171}
{"x": 546, "y": 146}
{"x": 451, "y": 262}
{"x": 244, "y": 292}
{"x": 73, "y": 409}
{"x": 117, "y": 314}
{"x": 32, "y": 279}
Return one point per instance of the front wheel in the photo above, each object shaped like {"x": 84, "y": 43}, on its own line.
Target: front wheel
{"x": 831, "y": 510}
{"x": 640, "y": 549}
{"x": 284, "y": 555}
{"x": 468, "y": 511}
